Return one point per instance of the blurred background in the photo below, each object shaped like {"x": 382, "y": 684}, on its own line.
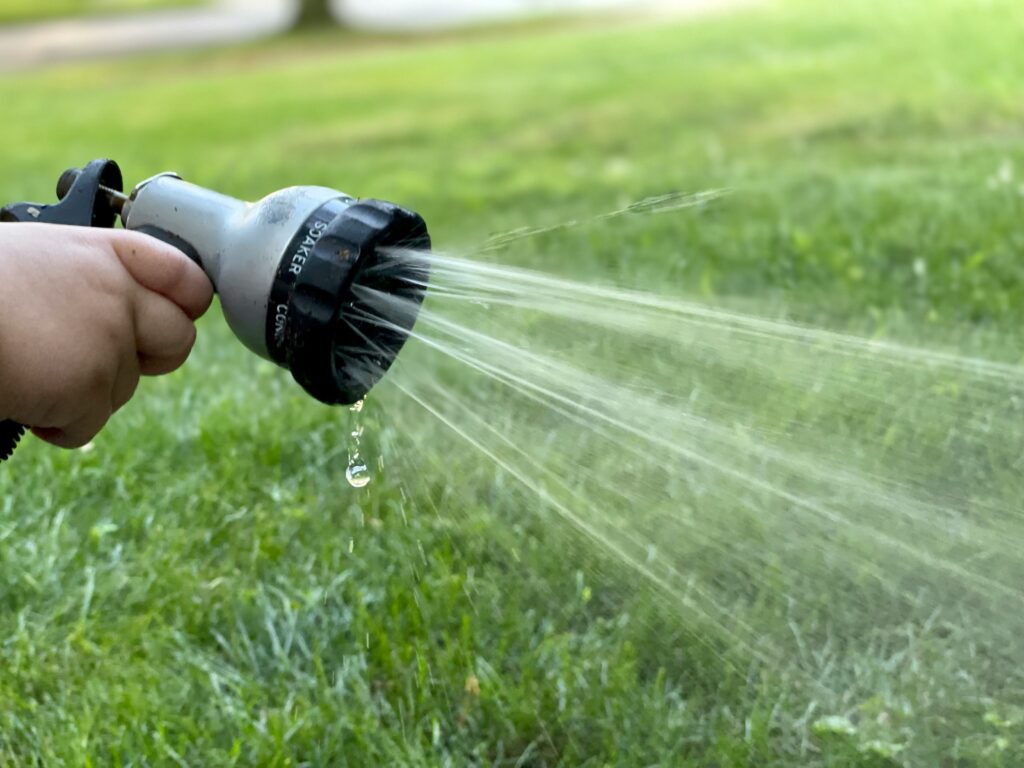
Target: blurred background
{"x": 106, "y": 27}
{"x": 201, "y": 586}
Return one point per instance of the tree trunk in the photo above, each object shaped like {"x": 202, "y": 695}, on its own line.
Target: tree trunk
{"x": 314, "y": 13}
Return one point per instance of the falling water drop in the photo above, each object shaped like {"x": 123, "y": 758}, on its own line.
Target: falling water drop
{"x": 357, "y": 473}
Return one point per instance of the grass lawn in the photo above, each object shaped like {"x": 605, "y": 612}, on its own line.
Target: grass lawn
{"x": 34, "y": 10}
{"x": 203, "y": 588}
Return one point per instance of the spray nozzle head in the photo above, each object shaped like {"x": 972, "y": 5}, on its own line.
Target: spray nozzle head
{"x": 338, "y": 340}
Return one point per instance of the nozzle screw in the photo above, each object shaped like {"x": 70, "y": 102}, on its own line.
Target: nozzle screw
{"x": 116, "y": 200}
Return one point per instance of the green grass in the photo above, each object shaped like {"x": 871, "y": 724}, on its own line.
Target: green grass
{"x": 34, "y": 10}
{"x": 203, "y": 588}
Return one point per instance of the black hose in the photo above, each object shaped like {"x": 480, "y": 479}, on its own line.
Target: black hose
{"x": 10, "y": 434}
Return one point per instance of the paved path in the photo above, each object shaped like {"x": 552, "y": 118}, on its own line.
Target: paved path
{"x": 436, "y": 14}
{"x": 29, "y": 46}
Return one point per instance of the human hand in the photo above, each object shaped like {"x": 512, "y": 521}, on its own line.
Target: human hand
{"x": 83, "y": 313}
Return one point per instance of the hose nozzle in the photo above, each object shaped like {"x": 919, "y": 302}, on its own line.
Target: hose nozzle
{"x": 355, "y": 301}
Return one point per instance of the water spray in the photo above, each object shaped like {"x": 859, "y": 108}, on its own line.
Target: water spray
{"x": 288, "y": 269}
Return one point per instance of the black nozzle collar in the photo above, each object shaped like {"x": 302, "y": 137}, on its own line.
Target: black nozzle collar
{"x": 319, "y": 326}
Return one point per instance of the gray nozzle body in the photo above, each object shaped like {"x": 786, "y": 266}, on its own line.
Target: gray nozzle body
{"x": 289, "y": 270}
{"x": 239, "y": 245}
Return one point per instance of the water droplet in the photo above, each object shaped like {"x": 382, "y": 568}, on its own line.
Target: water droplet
{"x": 357, "y": 473}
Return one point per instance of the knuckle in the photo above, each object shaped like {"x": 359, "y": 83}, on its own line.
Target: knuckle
{"x": 179, "y": 347}
{"x": 175, "y": 267}
{"x": 107, "y": 278}
{"x": 98, "y": 384}
{"x": 94, "y": 378}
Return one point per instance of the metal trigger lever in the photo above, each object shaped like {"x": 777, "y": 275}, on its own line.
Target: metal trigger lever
{"x": 90, "y": 197}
